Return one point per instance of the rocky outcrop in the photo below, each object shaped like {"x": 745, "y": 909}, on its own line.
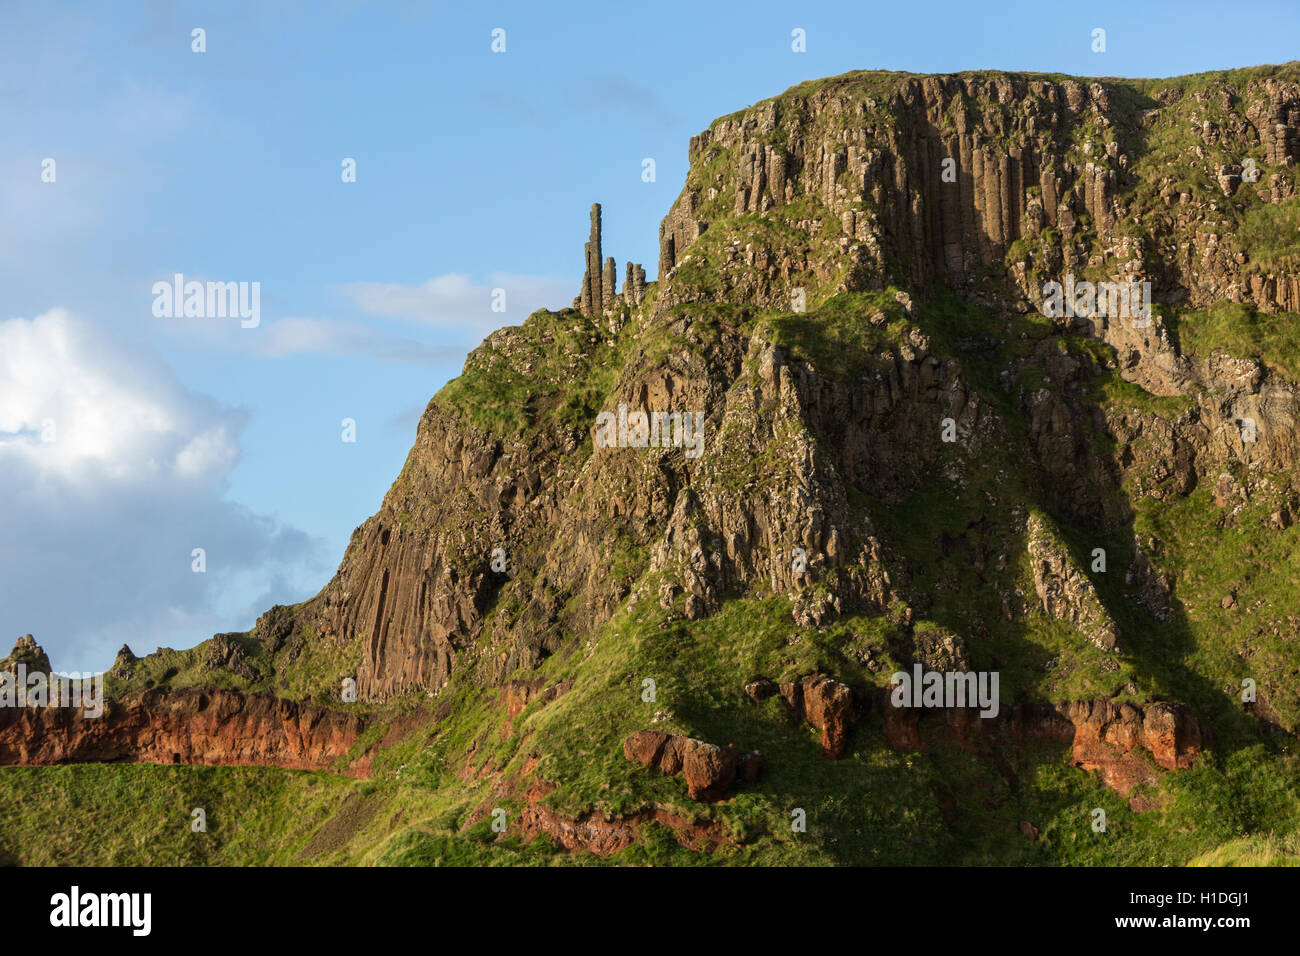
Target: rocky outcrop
{"x": 208, "y": 727}
{"x": 591, "y": 298}
{"x": 123, "y": 663}
{"x": 1153, "y": 590}
{"x": 707, "y": 768}
{"x": 634, "y": 285}
{"x": 594, "y": 831}
{"x": 599, "y": 294}
{"x": 1104, "y": 735}
{"x": 943, "y": 180}
{"x": 794, "y": 527}
{"x": 1108, "y": 735}
{"x": 517, "y": 694}
{"x": 602, "y": 835}
{"x": 411, "y": 587}
{"x": 28, "y": 653}
{"x": 225, "y": 653}
{"x": 946, "y": 173}
{"x": 827, "y": 705}
{"x": 1063, "y": 589}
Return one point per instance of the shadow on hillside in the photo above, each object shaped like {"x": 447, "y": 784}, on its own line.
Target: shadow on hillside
{"x": 961, "y": 548}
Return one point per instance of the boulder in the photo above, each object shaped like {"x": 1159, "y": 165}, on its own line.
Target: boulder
{"x": 707, "y": 768}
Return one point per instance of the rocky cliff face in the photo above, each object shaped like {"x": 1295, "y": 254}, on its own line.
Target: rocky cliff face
{"x": 27, "y": 653}
{"x": 985, "y": 184}
{"x": 854, "y": 410}
{"x": 939, "y": 177}
{"x": 1103, "y": 735}
{"x": 212, "y": 728}
{"x": 993, "y": 185}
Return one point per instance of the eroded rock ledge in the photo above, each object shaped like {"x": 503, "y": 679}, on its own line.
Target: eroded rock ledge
{"x": 206, "y": 727}
{"x": 601, "y": 835}
{"x": 1104, "y": 735}
{"x": 708, "y": 768}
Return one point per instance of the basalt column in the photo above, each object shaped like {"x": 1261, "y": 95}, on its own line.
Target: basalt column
{"x": 607, "y": 285}
{"x": 634, "y": 284}
{"x": 600, "y": 294}
{"x": 592, "y": 299}
{"x": 667, "y": 250}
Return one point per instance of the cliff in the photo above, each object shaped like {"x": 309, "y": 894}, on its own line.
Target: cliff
{"x": 835, "y": 188}
{"x": 848, "y": 436}
{"x": 212, "y": 728}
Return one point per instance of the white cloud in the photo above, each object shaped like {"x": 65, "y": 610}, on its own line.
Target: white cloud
{"x": 457, "y": 308}
{"x": 212, "y": 452}
{"x": 111, "y": 473}
{"x": 293, "y": 336}
{"x": 298, "y": 335}
{"x": 454, "y": 302}
{"x": 76, "y": 408}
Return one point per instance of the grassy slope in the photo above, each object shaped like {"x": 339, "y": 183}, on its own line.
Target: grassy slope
{"x": 875, "y": 806}
{"x": 879, "y": 806}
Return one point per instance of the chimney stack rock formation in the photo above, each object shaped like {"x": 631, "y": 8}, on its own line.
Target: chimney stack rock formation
{"x": 634, "y": 285}
{"x": 599, "y": 294}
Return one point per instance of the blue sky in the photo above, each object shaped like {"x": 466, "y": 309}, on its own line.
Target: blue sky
{"x": 475, "y": 170}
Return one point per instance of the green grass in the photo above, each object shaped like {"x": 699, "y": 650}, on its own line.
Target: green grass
{"x": 140, "y": 814}
{"x": 1203, "y": 656}
{"x": 837, "y": 337}
{"x": 553, "y": 369}
{"x": 1268, "y": 849}
{"x": 875, "y": 806}
{"x": 1242, "y": 332}
{"x": 1270, "y": 235}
